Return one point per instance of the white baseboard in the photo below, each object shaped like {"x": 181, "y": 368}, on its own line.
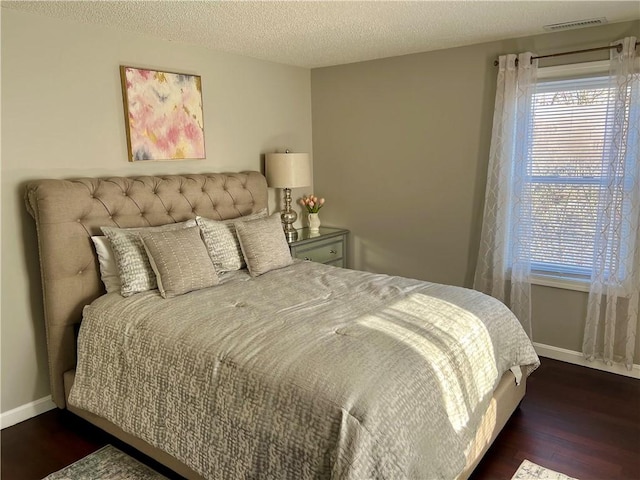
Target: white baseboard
{"x": 27, "y": 411}
{"x": 577, "y": 358}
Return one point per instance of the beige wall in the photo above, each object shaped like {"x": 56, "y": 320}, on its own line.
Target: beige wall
{"x": 62, "y": 117}
{"x": 401, "y": 148}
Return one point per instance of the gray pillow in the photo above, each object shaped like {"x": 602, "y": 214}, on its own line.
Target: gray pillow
{"x": 222, "y": 241}
{"x": 134, "y": 269}
{"x": 180, "y": 261}
{"x": 264, "y": 245}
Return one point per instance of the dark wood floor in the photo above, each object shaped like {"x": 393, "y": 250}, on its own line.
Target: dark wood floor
{"x": 582, "y": 422}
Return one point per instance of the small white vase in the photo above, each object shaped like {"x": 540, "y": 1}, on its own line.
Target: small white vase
{"x": 314, "y": 222}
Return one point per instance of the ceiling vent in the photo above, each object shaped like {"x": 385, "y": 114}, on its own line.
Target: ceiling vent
{"x": 591, "y": 22}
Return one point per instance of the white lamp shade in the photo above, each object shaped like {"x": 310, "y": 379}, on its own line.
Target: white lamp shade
{"x": 288, "y": 170}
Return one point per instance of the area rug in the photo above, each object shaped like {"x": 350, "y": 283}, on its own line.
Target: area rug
{"x": 530, "y": 471}
{"x": 108, "y": 463}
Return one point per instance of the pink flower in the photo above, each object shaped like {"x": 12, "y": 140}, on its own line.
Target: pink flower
{"x": 312, "y": 203}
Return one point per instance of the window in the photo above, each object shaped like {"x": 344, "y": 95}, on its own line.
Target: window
{"x": 565, "y": 174}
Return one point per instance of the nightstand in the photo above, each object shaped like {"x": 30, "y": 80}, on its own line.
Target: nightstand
{"x": 328, "y": 246}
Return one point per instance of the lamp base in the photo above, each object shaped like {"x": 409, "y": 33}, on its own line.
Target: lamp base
{"x": 291, "y": 235}
{"x": 288, "y": 218}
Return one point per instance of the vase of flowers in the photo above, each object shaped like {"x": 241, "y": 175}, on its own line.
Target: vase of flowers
{"x": 313, "y": 205}
{"x": 314, "y": 222}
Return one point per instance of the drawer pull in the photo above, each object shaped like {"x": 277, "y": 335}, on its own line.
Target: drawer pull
{"x": 332, "y": 252}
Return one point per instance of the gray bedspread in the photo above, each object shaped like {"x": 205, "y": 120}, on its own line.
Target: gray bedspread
{"x": 310, "y": 371}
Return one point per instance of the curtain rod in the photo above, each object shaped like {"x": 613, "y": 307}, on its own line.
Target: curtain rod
{"x": 609, "y": 47}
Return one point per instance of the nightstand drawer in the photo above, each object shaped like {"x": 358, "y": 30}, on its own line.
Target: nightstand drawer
{"x": 322, "y": 251}
{"x": 328, "y": 245}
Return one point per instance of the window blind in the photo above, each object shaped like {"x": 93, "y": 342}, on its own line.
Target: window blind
{"x": 565, "y": 175}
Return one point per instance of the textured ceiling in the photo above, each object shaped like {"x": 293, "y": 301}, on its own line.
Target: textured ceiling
{"x": 322, "y": 33}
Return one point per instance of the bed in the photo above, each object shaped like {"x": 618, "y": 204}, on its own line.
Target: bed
{"x": 304, "y": 371}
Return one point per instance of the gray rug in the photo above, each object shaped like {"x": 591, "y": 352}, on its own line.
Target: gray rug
{"x": 108, "y": 463}
{"x": 530, "y": 471}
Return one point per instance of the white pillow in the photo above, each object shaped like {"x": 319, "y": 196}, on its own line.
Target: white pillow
{"x": 107, "y": 261}
{"x": 264, "y": 245}
{"x": 221, "y": 240}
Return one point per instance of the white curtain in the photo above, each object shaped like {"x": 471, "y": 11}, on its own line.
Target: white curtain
{"x": 504, "y": 266}
{"x": 612, "y": 313}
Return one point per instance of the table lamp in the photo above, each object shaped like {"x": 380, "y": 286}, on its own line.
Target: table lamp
{"x": 288, "y": 170}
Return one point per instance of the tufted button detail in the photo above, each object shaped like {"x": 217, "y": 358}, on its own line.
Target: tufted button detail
{"x": 79, "y": 220}
{"x": 80, "y": 272}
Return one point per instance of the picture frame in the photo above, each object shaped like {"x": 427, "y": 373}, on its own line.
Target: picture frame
{"x": 163, "y": 114}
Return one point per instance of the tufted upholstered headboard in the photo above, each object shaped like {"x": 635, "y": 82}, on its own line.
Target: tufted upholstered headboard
{"x": 69, "y": 212}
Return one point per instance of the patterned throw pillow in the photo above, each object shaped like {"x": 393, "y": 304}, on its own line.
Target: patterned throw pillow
{"x": 221, "y": 240}
{"x": 180, "y": 261}
{"x": 264, "y": 245}
{"x": 134, "y": 269}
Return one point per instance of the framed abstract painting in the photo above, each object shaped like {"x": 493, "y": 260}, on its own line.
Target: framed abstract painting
{"x": 163, "y": 115}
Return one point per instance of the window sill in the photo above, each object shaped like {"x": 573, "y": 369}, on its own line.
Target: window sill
{"x": 564, "y": 283}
